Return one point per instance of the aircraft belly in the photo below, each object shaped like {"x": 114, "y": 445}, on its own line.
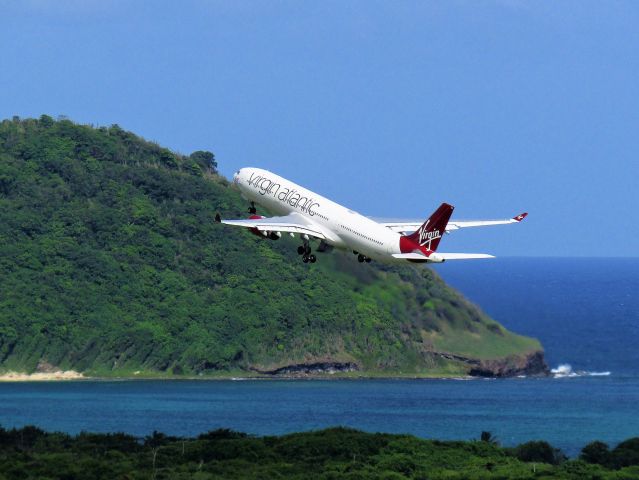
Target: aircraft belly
{"x": 276, "y": 207}
{"x": 364, "y": 247}
{"x": 337, "y": 241}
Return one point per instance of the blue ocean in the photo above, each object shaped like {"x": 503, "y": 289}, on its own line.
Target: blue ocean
{"x": 584, "y": 311}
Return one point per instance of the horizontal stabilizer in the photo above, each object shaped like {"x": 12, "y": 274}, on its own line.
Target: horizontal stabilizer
{"x": 463, "y": 256}
{"x": 439, "y": 257}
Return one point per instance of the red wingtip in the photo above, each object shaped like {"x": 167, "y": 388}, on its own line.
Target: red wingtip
{"x": 521, "y": 216}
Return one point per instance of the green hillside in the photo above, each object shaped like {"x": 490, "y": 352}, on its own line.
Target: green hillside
{"x": 111, "y": 263}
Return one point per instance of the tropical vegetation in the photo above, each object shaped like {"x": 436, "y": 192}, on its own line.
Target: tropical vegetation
{"x": 335, "y": 453}
{"x": 112, "y": 263}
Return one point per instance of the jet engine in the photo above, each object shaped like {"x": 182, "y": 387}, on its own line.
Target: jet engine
{"x": 264, "y": 233}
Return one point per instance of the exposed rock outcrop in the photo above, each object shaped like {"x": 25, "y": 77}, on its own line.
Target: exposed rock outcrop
{"x": 532, "y": 364}
{"x": 315, "y": 368}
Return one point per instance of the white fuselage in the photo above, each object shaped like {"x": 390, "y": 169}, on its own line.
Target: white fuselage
{"x": 344, "y": 228}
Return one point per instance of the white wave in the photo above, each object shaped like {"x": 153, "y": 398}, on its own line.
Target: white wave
{"x": 565, "y": 371}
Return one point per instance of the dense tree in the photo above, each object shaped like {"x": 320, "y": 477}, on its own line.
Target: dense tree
{"x": 625, "y": 454}
{"x": 596, "y": 452}
{"x": 206, "y": 160}
{"x": 539, "y": 451}
{"x": 488, "y": 438}
{"x": 30, "y": 453}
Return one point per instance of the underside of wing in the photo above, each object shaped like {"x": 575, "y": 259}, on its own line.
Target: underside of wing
{"x": 411, "y": 256}
{"x": 293, "y": 223}
{"x": 408, "y": 226}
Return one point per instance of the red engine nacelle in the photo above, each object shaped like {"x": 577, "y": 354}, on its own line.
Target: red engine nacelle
{"x": 263, "y": 233}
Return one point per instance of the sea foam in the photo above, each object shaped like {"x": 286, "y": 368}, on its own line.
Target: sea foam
{"x": 565, "y": 371}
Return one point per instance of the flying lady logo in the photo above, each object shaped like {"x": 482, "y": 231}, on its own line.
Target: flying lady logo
{"x": 426, "y": 237}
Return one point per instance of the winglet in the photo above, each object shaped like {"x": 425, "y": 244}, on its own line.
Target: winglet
{"x": 520, "y": 217}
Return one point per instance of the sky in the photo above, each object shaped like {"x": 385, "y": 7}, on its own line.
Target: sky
{"x": 389, "y": 108}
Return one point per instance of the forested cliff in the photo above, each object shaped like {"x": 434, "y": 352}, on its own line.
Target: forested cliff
{"x": 111, "y": 263}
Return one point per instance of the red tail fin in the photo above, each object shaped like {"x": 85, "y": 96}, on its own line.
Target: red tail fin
{"x": 430, "y": 233}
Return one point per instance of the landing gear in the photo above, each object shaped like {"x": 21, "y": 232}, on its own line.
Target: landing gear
{"x": 304, "y": 249}
{"x": 252, "y": 210}
{"x": 305, "y": 252}
{"x": 324, "y": 247}
{"x": 309, "y": 258}
{"x": 363, "y": 258}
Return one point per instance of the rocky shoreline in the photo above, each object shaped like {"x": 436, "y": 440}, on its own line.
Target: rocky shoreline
{"x": 529, "y": 365}
{"x": 532, "y": 364}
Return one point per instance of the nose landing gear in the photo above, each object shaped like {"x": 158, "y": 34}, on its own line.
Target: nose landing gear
{"x": 252, "y": 210}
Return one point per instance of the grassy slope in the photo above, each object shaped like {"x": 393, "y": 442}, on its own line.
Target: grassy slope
{"x": 111, "y": 262}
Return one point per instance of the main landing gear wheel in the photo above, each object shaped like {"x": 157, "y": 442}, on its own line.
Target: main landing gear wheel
{"x": 304, "y": 249}
{"x": 312, "y": 258}
{"x": 305, "y": 259}
{"x": 363, "y": 258}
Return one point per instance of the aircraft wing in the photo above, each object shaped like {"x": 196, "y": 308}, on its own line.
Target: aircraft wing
{"x": 292, "y": 223}
{"x": 406, "y": 226}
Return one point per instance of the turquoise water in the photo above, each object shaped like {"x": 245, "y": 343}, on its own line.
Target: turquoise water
{"x": 585, "y": 312}
{"x": 567, "y": 412}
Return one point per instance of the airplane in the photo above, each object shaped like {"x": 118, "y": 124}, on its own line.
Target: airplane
{"x": 312, "y": 216}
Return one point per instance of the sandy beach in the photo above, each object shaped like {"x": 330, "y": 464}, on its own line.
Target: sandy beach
{"x": 40, "y": 376}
